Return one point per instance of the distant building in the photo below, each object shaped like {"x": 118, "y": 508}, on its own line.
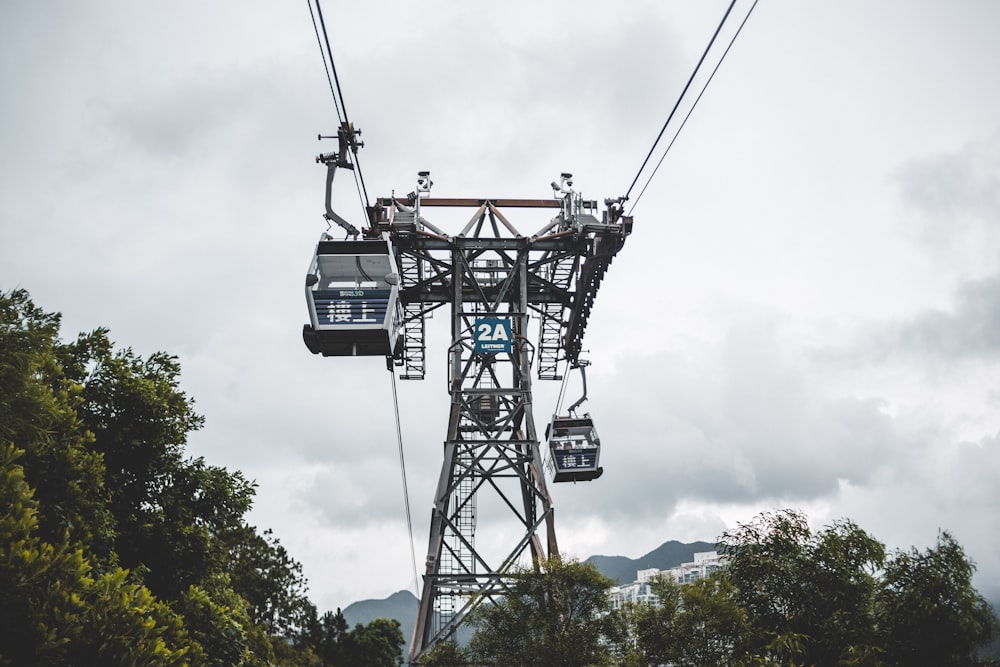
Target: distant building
{"x": 639, "y": 591}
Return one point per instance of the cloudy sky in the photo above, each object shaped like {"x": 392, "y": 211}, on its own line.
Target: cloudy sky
{"x": 806, "y": 315}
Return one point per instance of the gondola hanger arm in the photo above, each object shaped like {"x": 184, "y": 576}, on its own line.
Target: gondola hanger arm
{"x": 582, "y": 365}
{"x": 347, "y": 138}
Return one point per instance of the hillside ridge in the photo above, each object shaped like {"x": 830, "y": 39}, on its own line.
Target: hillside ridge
{"x": 402, "y": 605}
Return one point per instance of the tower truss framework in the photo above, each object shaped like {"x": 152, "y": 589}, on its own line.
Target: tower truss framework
{"x": 491, "y": 272}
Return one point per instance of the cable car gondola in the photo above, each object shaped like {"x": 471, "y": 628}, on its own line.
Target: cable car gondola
{"x": 574, "y": 447}
{"x": 352, "y": 290}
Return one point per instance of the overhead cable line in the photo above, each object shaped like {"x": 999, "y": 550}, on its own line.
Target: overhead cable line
{"x": 681, "y": 97}
{"x": 333, "y": 67}
{"x": 341, "y": 108}
{"x": 693, "y": 105}
{"x": 338, "y": 97}
{"x": 326, "y": 66}
{"x": 406, "y": 491}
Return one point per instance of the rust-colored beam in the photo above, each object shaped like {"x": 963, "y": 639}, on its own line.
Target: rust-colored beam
{"x": 475, "y": 203}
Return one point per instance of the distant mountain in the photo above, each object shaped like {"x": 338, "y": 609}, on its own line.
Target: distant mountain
{"x": 667, "y": 555}
{"x": 403, "y": 606}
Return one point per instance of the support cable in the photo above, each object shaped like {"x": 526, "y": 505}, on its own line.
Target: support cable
{"x": 338, "y": 98}
{"x": 333, "y": 66}
{"x": 326, "y": 66}
{"x": 562, "y": 389}
{"x": 691, "y": 110}
{"x": 406, "y": 492}
{"x": 681, "y": 98}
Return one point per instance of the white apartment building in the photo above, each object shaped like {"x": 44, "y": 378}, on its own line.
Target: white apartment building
{"x": 639, "y": 591}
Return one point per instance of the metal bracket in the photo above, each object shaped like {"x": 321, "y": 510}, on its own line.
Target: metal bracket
{"x": 347, "y": 137}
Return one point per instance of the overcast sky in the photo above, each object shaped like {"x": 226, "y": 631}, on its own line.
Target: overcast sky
{"x": 805, "y": 316}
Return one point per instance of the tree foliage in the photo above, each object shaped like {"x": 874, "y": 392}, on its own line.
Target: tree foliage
{"x": 550, "y": 616}
{"x": 38, "y": 414}
{"x": 928, "y": 609}
{"x": 378, "y": 643}
{"x": 796, "y": 585}
{"x": 445, "y": 654}
{"x": 694, "y": 624}
{"x": 835, "y": 597}
{"x": 54, "y": 610}
{"x": 115, "y": 547}
{"x": 787, "y": 595}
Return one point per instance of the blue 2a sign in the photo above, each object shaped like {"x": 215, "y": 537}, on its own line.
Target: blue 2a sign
{"x": 491, "y": 335}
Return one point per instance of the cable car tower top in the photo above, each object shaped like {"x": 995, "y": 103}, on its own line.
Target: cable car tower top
{"x": 372, "y": 296}
{"x": 563, "y": 264}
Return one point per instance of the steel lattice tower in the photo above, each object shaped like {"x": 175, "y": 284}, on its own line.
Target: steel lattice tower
{"x": 494, "y": 279}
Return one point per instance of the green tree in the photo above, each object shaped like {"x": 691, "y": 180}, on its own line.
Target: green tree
{"x": 550, "y": 616}
{"x": 655, "y": 625}
{"x": 220, "y": 628}
{"x": 833, "y": 598}
{"x": 622, "y": 633}
{"x": 928, "y": 610}
{"x": 698, "y": 623}
{"x": 38, "y": 414}
{"x": 377, "y": 644}
{"x": 102, "y": 436}
{"x": 54, "y": 611}
{"x": 127, "y": 625}
{"x": 36, "y": 578}
{"x": 711, "y": 623}
{"x": 328, "y": 640}
{"x": 808, "y": 596}
{"x": 172, "y": 513}
{"x": 270, "y": 581}
{"x": 445, "y": 654}
{"x": 327, "y": 636}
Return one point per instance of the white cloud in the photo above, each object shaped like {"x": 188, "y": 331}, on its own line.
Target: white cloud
{"x": 803, "y": 316}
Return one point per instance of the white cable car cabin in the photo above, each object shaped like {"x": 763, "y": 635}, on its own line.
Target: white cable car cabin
{"x": 352, "y": 290}
{"x": 575, "y": 449}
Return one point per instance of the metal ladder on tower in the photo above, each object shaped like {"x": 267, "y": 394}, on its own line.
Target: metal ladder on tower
{"x": 552, "y": 325}
{"x": 411, "y": 272}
